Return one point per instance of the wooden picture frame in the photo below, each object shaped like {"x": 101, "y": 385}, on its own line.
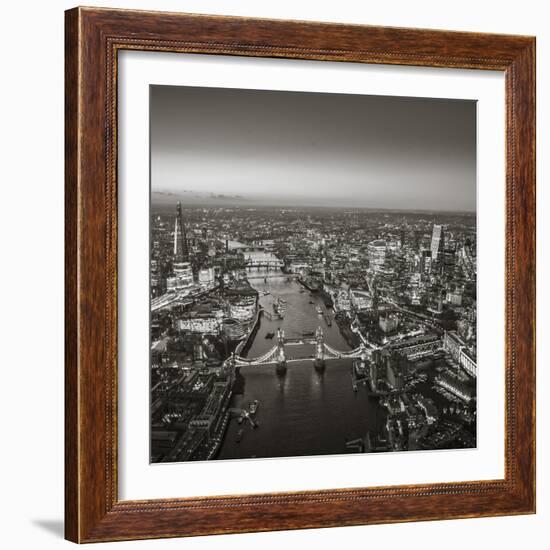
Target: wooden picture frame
{"x": 93, "y": 511}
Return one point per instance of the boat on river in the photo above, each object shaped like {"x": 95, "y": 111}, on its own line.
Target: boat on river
{"x": 279, "y": 308}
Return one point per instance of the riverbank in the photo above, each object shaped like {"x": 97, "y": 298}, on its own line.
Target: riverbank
{"x": 351, "y": 337}
{"x": 243, "y": 347}
{"x": 304, "y": 413}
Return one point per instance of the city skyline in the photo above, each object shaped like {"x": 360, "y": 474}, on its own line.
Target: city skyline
{"x": 313, "y": 274}
{"x": 303, "y": 332}
{"x": 261, "y": 148}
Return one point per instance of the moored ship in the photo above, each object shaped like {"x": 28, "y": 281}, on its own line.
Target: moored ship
{"x": 254, "y": 406}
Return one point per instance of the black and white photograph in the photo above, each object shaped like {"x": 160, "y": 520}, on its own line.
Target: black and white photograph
{"x": 275, "y": 275}
{"x": 313, "y": 274}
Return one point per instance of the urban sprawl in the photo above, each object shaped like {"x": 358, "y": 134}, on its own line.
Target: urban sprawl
{"x": 399, "y": 286}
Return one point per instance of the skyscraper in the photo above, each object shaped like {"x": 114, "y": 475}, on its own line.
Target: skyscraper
{"x": 449, "y": 260}
{"x": 438, "y": 241}
{"x": 182, "y": 277}
{"x": 402, "y": 237}
{"x": 376, "y": 251}
{"x": 181, "y": 249}
{"x": 426, "y": 262}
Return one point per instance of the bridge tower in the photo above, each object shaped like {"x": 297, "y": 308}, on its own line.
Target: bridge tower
{"x": 319, "y": 349}
{"x": 363, "y": 355}
{"x": 280, "y": 353}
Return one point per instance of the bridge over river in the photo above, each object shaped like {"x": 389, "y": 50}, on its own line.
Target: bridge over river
{"x": 306, "y": 411}
{"x": 278, "y": 354}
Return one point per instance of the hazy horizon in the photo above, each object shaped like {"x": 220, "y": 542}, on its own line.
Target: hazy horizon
{"x": 249, "y": 148}
{"x": 204, "y": 200}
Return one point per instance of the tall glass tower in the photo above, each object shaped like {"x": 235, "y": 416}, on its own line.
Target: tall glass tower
{"x": 438, "y": 239}
{"x": 181, "y": 249}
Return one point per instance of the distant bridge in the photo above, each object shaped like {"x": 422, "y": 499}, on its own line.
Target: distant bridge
{"x": 263, "y": 264}
{"x": 265, "y": 268}
{"x": 271, "y": 275}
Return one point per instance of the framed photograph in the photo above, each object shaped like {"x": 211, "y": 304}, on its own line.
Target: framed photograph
{"x": 300, "y": 275}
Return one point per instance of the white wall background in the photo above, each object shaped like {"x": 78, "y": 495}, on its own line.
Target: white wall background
{"x": 31, "y": 218}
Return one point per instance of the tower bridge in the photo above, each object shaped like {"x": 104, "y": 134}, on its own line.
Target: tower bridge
{"x": 277, "y": 354}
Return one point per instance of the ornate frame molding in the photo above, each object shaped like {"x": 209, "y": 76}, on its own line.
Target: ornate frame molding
{"x": 93, "y": 38}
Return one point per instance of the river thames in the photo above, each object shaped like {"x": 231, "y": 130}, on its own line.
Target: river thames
{"x": 303, "y": 412}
